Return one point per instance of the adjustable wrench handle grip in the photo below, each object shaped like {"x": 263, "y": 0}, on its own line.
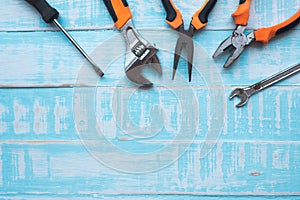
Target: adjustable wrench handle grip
{"x": 119, "y": 11}
{"x": 174, "y": 17}
{"x": 241, "y": 15}
{"x": 200, "y": 18}
{"x": 47, "y": 12}
{"x": 265, "y": 34}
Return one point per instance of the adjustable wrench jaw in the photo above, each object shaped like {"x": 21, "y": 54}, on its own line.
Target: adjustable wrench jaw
{"x": 139, "y": 53}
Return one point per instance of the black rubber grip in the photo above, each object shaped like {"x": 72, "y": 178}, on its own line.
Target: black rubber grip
{"x": 111, "y": 9}
{"x": 288, "y": 27}
{"x": 47, "y": 12}
{"x": 203, "y": 15}
{"x": 171, "y": 12}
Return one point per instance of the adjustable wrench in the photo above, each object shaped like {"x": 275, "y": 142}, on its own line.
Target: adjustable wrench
{"x": 245, "y": 93}
{"x": 139, "y": 51}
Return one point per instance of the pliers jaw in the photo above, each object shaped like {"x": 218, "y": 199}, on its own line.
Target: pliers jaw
{"x": 184, "y": 41}
{"x": 238, "y": 40}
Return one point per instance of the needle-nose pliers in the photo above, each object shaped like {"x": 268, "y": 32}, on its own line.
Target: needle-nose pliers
{"x": 199, "y": 21}
{"x": 239, "y": 40}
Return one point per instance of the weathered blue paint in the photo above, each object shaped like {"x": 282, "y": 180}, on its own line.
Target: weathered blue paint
{"x": 41, "y": 155}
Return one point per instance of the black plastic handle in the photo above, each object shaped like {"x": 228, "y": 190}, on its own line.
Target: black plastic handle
{"x": 174, "y": 17}
{"x": 203, "y": 15}
{"x": 47, "y": 12}
{"x": 170, "y": 10}
{"x": 200, "y": 18}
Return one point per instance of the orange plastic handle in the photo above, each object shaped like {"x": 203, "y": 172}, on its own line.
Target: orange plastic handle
{"x": 119, "y": 11}
{"x": 174, "y": 17}
{"x": 199, "y": 19}
{"x": 241, "y": 15}
{"x": 265, "y": 34}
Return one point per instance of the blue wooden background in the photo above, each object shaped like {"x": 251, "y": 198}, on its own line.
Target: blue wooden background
{"x": 42, "y": 156}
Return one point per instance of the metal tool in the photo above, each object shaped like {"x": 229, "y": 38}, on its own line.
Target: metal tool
{"x": 139, "y": 51}
{"x": 199, "y": 21}
{"x": 245, "y": 93}
{"x": 50, "y": 15}
{"x": 239, "y": 40}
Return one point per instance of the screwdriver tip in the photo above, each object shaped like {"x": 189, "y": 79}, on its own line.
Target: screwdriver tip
{"x": 98, "y": 70}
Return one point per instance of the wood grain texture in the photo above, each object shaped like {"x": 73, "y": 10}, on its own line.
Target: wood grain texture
{"x": 256, "y": 153}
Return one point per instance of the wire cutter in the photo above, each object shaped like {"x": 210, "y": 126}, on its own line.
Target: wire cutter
{"x": 239, "y": 40}
{"x": 199, "y": 21}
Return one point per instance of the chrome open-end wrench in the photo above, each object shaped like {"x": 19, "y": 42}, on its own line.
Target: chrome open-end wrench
{"x": 245, "y": 93}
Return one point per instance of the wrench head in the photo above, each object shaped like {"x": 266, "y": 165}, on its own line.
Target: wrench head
{"x": 140, "y": 53}
{"x": 242, "y": 94}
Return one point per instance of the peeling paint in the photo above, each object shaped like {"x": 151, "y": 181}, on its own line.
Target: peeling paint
{"x": 255, "y": 173}
{"x": 21, "y": 123}
{"x": 60, "y": 114}
{"x": 40, "y": 123}
{"x": 3, "y": 125}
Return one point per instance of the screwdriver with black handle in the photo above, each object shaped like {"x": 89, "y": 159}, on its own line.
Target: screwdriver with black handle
{"x": 50, "y": 15}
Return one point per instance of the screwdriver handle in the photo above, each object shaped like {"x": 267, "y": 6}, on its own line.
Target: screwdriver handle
{"x": 119, "y": 11}
{"x": 174, "y": 17}
{"x": 241, "y": 15}
{"x": 47, "y": 12}
{"x": 200, "y": 18}
{"x": 265, "y": 34}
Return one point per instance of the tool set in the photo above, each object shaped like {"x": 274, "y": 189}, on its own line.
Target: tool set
{"x": 140, "y": 52}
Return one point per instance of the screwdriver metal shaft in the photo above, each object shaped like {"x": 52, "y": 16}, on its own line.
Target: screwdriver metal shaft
{"x": 95, "y": 67}
{"x": 50, "y": 15}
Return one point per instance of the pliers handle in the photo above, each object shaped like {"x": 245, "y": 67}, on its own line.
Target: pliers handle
{"x": 199, "y": 19}
{"x": 265, "y": 34}
{"x": 241, "y": 16}
{"x": 119, "y": 11}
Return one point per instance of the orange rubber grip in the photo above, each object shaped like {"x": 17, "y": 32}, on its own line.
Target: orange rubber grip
{"x": 174, "y": 17}
{"x": 265, "y": 34}
{"x": 119, "y": 11}
{"x": 200, "y": 18}
{"x": 241, "y": 15}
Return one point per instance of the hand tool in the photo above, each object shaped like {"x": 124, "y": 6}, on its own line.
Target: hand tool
{"x": 139, "y": 51}
{"x": 239, "y": 40}
{"x": 50, "y": 15}
{"x": 199, "y": 21}
{"x": 245, "y": 93}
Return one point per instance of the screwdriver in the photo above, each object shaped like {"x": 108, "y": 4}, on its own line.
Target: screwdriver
{"x": 50, "y": 15}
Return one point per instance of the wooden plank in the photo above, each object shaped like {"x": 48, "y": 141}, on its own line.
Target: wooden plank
{"x": 87, "y": 15}
{"x": 141, "y": 197}
{"x": 232, "y": 168}
{"x": 48, "y": 114}
{"x": 46, "y": 59}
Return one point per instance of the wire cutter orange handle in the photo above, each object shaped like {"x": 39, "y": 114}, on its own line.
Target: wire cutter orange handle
{"x": 119, "y": 11}
{"x": 241, "y": 15}
{"x": 265, "y": 34}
